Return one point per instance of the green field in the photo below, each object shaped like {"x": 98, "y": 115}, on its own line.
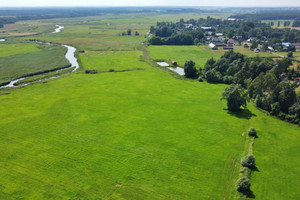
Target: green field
{"x": 199, "y": 54}
{"x": 140, "y": 134}
{"x": 19, "y": 59}
{"x": 106, "y": 60}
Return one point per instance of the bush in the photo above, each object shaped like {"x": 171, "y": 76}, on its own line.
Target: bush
{"x": 190, "y": 70}
{"x": 243, "y": 185}
{"x": 91, "y": 71}
{"x": 252, "y": 132}
{"x": 248, "y": 161}
{"x": 111, "y": 70}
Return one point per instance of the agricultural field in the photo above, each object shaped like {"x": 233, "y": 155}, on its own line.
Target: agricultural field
{"x": 140, "y": 134}
{"x": 199, "y": 54}
{"x": 106, "y": 60}
{"x": 28, "y": 58}
{"x": 25, "y": 28}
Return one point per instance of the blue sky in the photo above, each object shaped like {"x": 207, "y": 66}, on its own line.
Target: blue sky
{"x": 277, "y": 3}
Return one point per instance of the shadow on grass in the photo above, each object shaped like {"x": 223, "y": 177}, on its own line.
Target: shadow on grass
{"x": 243, "y": 114}
{"x": 250, "y": 194}
{"x": 255, "y": 169}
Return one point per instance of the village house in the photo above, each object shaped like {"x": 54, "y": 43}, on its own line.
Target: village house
{"x": 188, "y": 25}
{"x": 232, "y": 42}
{"x": 251, "y": 39}
{"x": 213, "y": 46}
{"x": 219, "y": 44}
{"x": 207, "y": 28}
{"x": 286, "y": 44}
{"x": 257, "y": 50}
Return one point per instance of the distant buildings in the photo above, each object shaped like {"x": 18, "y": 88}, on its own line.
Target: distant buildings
{"x": 270, "y": 48}
{"x": 286, "y": 44}
{"x": 232, "y": 42}
{"x": 231, "y": 19}
{"x": 213, "y": 46}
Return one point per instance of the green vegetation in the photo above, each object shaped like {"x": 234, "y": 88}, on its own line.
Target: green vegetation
{"x": 248, "y": 161}
{"x": 29, "y": 59}
{"x": 45, "y": 76}
{"x": 243, "y": 185}
{"x": 236, "y": 97}
{"x": 106, "y": 60}
{"x": 139, "y": 134}
{"x": 189, "y": 69}
{"x": 11, "y": 49}
{"x": 252, "y": 132}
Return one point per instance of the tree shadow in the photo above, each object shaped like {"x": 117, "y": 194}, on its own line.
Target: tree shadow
{"x": 243, "y": 114}
{"x": 250, "y": 194}
{"x": 255, "y": 169}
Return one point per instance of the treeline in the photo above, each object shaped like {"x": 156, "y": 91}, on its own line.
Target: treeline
{"x": 6, "y": 20}
{"x": 190, "y": 32}
{"x": 270, "y": 15}
{"x": 266, "y": 80}
{"x": 296, "y": 23}
{"x": 9, "y": 16}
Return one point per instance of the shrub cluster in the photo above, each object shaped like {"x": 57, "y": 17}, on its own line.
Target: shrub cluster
{"x": 248, "y": 161}
{"x": 252, "y": 132}
{"x": 91, "y": 71}
{"x": 243, "y": 185}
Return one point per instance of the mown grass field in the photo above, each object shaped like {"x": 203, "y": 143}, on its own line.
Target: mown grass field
{"x": 106, "y": 60}
{"x": 19, "y": 59}
{"x": 138, "y": 134}
{"x": 199, "y": 54}
{"x": 144, "y": 133}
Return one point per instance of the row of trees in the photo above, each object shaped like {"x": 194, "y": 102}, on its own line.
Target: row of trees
{"x": 129, "y": 32}
{"x": 263, "y": 80}
{"x": 283, "y": 14}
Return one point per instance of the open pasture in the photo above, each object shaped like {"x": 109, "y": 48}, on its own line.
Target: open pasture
{"x": 19, "y": 59}
{"x": 138, "y": 134}
{"x": 199, "y": 54}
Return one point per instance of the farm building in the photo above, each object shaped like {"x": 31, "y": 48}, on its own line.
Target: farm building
{"x": 213, "y": 46}
{"x": 219, "y": 44}
{"x": 270, "y": 48}
{"x": 286, "y": 44}
{"x": 256, "y": 50}
{"x": 251, "y": 39}
{"x": 232, "y": 42}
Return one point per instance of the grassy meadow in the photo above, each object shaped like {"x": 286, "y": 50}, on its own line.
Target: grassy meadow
{"x": 19, "y": 59}
{"x": 137, "y": 135}
{"x": 199, "y": 54}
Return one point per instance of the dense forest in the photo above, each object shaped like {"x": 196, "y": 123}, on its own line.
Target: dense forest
{"x": 268, "y": 82}
{"x": 270, "y": 15}
{"x": 194, "y": 31}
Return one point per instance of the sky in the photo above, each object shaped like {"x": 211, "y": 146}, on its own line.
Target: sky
{"x": 235, "y": 3}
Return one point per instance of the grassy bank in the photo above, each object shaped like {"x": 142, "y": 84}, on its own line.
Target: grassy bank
{"x": 29, "y": 58}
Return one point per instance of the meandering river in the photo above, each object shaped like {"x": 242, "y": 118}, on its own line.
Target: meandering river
{"x": 70, "y": 56}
